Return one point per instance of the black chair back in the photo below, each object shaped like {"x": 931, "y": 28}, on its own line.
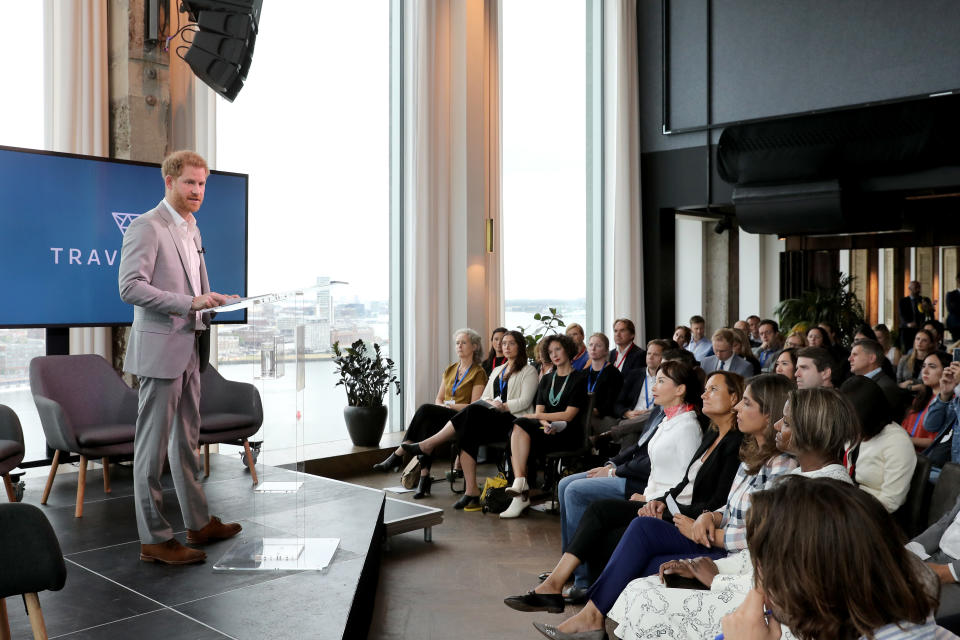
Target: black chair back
{"x": 910, "y": 516}
{"x": 29, "y": 552}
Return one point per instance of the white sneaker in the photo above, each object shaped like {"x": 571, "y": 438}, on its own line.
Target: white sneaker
{"x": 518, "y": 487}
{"x": 517, "y": 506}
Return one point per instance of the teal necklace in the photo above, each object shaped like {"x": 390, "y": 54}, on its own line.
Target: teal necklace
{"x": 554, "y": 398}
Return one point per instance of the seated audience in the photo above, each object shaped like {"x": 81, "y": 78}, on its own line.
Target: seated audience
{"x": 814, "y": 368}
{"x": 891, "y": 350}
{"x": 864, "y": 332}
{"x": 796, "y": 340}
{"x": 867, "y": 359}
{"x": 700, "y": 346}
{"x": 581, "y": 360}
{"x": 936, "y": 329}
{"x": 872, "y": 589}
{"x": 724, "y": 358}
{"x": 741, "y": 325}
{"x": 542, "y": 359}
{"x": 914, "y": 423}
{"x": 509, "y": 393}
{"x": 882, "y": 463}
{"x": 556, "y": 423}
{"x": 814, "y": 427}
{"x": 704, "y": 485}
{"x": 938, "y": 547}
{"x": 786, "y": 364}
{"x": 627, "y": 356}
{"x": 682, "y": 336}
{"x": 770, "y": 345}
{"x": 649, "y": 542}
{"x": 462, "y": 383}
{"x": 741, "y": 347}
{"x": 604, "y": 381}
{"x": 634, "y": 404}
{"x": 754, "y": 323}
{"x": 818, "y": 337}
{"x": 495, "y": 358}
{"x": 908, "y": 371}
{"x": 942, "y": 418}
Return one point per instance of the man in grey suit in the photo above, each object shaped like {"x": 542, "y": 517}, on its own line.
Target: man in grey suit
{"x": 939, "y": 547}
{"x": 162, "y": 273}
{"x": 723, "y": 358}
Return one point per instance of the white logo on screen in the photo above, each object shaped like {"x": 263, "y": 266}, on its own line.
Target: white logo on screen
{"x": 98, "y": 257}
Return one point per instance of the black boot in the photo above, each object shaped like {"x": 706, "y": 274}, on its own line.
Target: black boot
{"x": 424, "y": 489}
{"x": 392, "y": 463}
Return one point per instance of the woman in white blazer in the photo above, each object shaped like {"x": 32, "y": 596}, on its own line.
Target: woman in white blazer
{"x": 508, "y": 395}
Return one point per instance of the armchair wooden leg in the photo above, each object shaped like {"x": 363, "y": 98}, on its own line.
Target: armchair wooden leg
{"x": 81, "y": 485}
{"x": 253, "y": 468}
{"x": 8, "y": 485}
{"x": 53, "y": 472}
{"x": 36, "y": 616}
{"x": 206, "y": 461}
{"x": 4, "y": 621}
{"x": 106, "y": 474}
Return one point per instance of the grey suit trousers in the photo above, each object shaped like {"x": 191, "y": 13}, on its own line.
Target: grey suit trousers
{"x": 168, "y": 423}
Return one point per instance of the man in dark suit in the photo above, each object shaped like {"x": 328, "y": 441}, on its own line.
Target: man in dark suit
{"x": 163, "y": 275}
{"x": 866, "y": 359}
{"x": 723, "y": 358}
{"x": 953, "y": 311}
{"x": 937, "y": 546}
{"x": 915, "y": 309}
{"x": 627, "y": 355}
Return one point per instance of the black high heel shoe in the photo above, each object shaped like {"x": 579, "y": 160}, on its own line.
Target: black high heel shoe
{"x": 424, "y": 489}
{"x": 393, "y": 463}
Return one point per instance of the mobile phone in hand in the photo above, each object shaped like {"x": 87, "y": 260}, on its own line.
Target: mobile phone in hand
{"x": 956, "y": 355}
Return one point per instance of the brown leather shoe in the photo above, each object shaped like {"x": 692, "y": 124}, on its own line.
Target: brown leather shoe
{"x": 171, "y": 552}
{"x": 214, "y": 530}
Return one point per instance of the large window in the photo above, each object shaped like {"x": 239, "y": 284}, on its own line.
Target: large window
{"x": 544, "y": 146}
{"x": 311, "y": 127}
{"x": 21, "y": 125}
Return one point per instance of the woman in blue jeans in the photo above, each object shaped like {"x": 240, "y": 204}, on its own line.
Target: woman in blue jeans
{"x": 650, "y": 541}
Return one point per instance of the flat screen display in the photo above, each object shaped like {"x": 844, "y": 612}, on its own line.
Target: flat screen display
{"x": 62, "y": 220}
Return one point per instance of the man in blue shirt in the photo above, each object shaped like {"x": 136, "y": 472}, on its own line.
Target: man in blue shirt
{"x": 700, "y": 345}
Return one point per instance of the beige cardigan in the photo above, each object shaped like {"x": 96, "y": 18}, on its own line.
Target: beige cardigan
{"x": 521, "y": 389}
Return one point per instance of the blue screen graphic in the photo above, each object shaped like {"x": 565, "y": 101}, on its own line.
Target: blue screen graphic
{"x": 61, "y": 228}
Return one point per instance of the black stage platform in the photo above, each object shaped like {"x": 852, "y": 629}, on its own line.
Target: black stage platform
{"x": 110, "y": 593}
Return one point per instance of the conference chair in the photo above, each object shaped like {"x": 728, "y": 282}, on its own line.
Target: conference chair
{"x": 945, "y": 492}
{"x": 230, "y": 412}
{"x": 11, "y": 447}
{"x": 85, "y": 408}
{"x": 32, "y": 562}
{"x": 910, "y": 516}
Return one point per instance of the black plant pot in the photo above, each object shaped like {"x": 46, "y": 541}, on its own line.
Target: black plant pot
{"x": 365, "y": 424}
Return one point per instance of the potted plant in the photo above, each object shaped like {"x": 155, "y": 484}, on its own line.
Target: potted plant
{"x": 548, "y": 324}
{"x": 836, "y": 303}
{"x": 366, "y": 379}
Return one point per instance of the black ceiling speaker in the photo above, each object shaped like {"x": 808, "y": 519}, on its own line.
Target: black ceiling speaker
{"x": 222, "y": 47}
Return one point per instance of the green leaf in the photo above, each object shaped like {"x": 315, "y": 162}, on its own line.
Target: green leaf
{"x": 537, "y": 316}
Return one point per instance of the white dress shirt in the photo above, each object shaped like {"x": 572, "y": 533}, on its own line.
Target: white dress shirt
{"x": 645, "y": 399}
{"x": 187, "y": 231}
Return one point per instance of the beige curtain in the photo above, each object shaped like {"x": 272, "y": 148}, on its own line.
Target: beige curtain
{"x": 451, "y": 182}
{"x": 623, "y": 262}
{"x": 77, "y": 104}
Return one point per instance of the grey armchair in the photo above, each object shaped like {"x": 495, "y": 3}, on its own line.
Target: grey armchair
{"x": 11, "y": 447}
{"x": 230, "y": 412}
{"x": 85, "y": 408}
{"x": 32, "y": 562}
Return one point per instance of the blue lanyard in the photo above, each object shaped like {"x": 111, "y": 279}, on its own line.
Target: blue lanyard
{"x": 646, "y": 390}
{"x": 591, "y": 382}
{"x": 763, "y": 357}
{"x": 502, "y": 383}
{"x": 458, "y": 380}
{"x": 916, "y": 423}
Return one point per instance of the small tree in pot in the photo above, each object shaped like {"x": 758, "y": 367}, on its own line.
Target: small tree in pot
{"x": 366, "y": 379}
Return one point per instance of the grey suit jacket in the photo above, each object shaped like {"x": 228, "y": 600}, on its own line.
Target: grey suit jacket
{"x": 930, "y": 539}
{"x": 153, "y": 278}
{"x": 737, "y": 365}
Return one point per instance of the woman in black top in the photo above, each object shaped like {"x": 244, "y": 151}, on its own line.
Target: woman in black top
{"x": 555, "y": 424}
{"x": 495, "y": 358}
{"x": 604, "y": 381}
{"x": 713, "y": 468}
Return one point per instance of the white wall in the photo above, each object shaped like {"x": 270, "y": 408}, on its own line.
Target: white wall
{"x": 689, "y": 269}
